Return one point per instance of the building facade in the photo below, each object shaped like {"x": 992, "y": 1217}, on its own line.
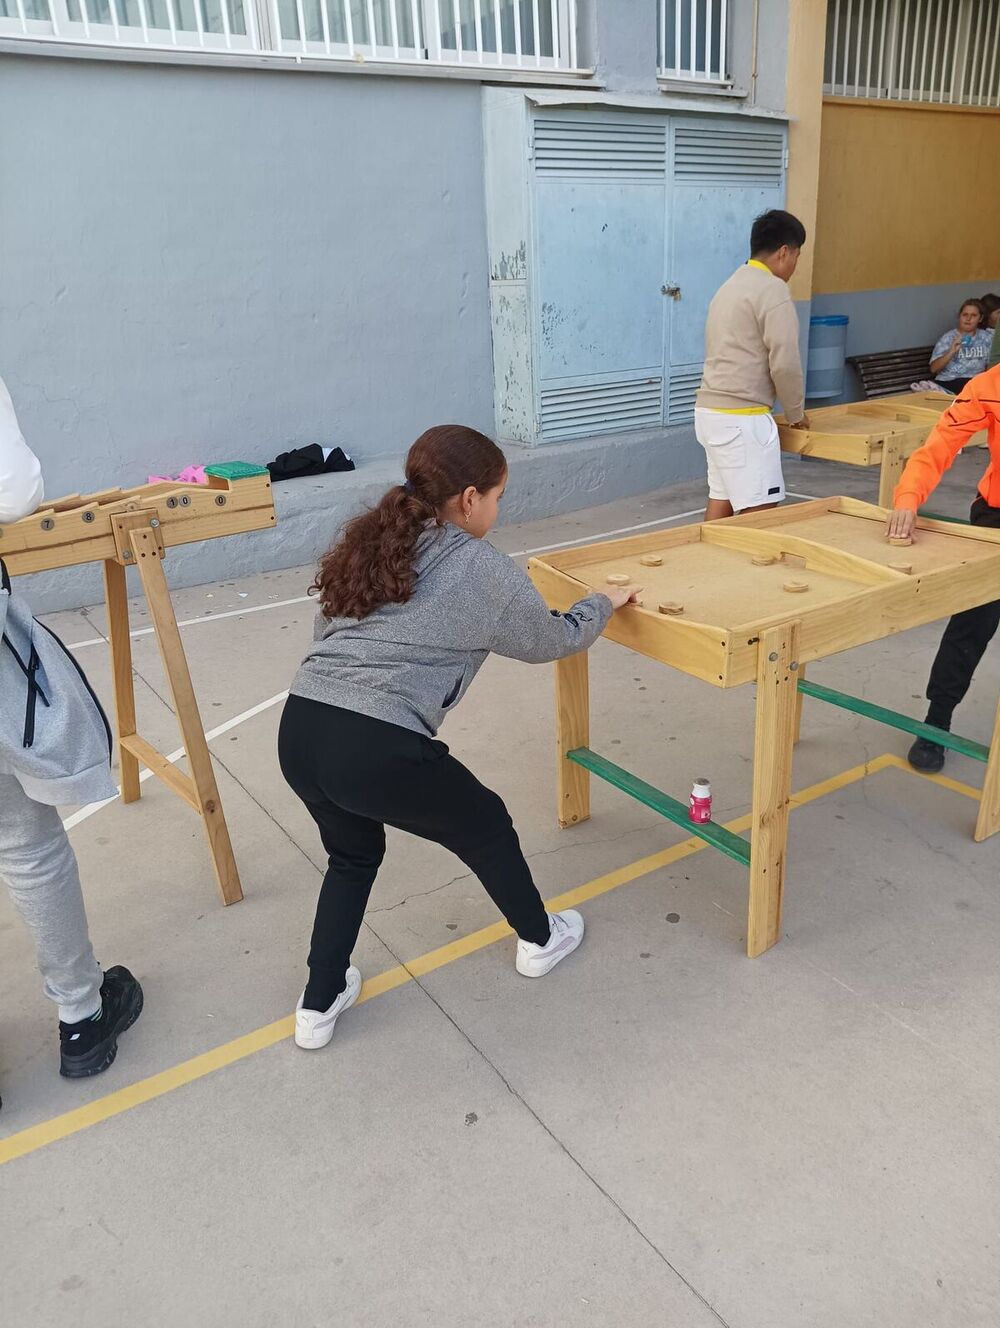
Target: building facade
{"x": 231, "y": 227}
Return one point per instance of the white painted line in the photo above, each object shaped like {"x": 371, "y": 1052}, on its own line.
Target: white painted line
{"x": 193, "y": 622}
{"x": 626, "y": 530}
{"x": 606, "y": 534}
{"x": 86, "y": 812}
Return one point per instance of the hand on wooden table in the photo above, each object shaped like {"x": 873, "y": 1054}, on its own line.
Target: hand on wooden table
{"x": 622, "y": 595}
{"x": 901, "y": 524}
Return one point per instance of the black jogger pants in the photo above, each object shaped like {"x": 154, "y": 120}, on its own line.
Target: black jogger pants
{"x": 964, "y": 642}
{"x": 356, "y": 775}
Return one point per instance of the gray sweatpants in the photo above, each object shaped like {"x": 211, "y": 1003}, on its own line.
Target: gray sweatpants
{"x": 39, "y": 866}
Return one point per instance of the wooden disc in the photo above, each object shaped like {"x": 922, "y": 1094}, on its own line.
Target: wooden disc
{"x": 651, "y": 559}
{"x": 795, "y": 587}
{"x": 671, "y": 607}
{"x": 902, "y": 567}
{"x": 763, "y": 559}
{"x": 618, "y": 578}
{"x": 903, "y": 543}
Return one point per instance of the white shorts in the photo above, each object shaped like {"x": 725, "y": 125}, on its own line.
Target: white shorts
{"x": 744, "y": 457}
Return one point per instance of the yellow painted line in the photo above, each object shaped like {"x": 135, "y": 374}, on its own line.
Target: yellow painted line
{"x": 208, "y": 1062}
{"x": 943, "y": 781}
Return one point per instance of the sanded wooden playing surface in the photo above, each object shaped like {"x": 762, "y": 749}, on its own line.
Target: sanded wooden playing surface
{"x": 936, "y": 402}
{"x": 931, "y": 550}
{"x": 718, "y": 585}
{"x": 731, "y": 578}
{"x": 856, "y": 433}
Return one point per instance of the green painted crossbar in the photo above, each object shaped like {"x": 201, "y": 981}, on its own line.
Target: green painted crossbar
{"x": 894, "y": 720}
{"x": 940, "y": 516}
{"x": 734, "y": 846}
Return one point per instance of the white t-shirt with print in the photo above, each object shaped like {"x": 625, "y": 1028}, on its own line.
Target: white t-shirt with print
{"x": 971, "y": 359}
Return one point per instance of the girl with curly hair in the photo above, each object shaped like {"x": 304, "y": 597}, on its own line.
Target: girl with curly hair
{"x": 412, "y": 601}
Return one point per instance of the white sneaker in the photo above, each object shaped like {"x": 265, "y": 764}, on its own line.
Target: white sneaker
{"x": 314, "y": 1028}
{"x": 534, "y": 961}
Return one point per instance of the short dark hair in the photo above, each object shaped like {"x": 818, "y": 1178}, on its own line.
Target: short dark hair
{"x": 773, "y": 229}
{"x": 990, "y": 304}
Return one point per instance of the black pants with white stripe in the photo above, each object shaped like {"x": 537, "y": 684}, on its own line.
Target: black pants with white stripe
{"x": 356, "y": 775}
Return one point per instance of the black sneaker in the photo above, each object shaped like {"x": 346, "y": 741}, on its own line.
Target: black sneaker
{"x": 926, "y": 755}
{"x": 90, "y": 1046}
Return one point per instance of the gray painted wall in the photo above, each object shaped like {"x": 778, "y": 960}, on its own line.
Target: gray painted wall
{"x": 766, "y": 91}
{"x": 200, "y": 264}
{"x": 895, "y": 318}
{"x": 617, "y": 39}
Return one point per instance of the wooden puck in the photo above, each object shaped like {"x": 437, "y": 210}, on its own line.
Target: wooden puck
{"x": 903, "y": 543}
{"x": 670, "y": 606}
{"x": 763, "y": 559}
{"x": 902, "y": 567}
{"x": 618, "y": 578}
{"x": 795, "y": 587}
{"x": 651, "y": 559}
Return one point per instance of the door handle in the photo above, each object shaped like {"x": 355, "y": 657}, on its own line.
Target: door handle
{"x": 673, "y": 291}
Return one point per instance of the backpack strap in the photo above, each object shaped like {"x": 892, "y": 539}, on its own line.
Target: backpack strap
{"x": 29, "y": 670}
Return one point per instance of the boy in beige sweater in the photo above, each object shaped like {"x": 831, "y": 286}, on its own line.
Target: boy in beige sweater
{"x": 751, "y": 357}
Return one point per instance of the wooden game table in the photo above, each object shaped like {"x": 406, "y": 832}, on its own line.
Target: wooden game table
{"x": 124, "y": 528}
{"x": 754, "y": 599}
{"x": 883, "y": 432}
{"x": 863, "y": 433}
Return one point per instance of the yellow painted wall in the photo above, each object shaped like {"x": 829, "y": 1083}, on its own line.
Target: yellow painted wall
{"x": 907, "y": 197}
{"x": 804, "y": 98}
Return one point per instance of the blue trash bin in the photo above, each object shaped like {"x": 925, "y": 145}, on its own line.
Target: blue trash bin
{"x": 827, "y": 349}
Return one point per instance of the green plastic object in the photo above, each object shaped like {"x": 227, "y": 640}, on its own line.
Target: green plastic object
{"x": 734, "y": 846}
{"x": 235, "y": 470}
{"x": 894, "y": 720}
{"x": 939, "y": 516}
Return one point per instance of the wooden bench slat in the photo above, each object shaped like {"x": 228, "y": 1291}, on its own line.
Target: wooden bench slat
{"x": 891, "y": 370}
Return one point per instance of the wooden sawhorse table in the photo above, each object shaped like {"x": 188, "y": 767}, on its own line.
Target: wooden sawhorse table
{"x": 133, "y": 528}
{"x": 883, "y": 432}
{"x": 761, "y": 595}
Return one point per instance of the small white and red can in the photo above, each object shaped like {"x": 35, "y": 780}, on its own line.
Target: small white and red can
{"x": 700, "y": 803}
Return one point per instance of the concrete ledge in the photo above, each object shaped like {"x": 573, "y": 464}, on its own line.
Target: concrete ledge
{"x": 544, "y": 481}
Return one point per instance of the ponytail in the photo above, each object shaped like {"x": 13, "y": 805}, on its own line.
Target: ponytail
{"x": 372, "y": 563}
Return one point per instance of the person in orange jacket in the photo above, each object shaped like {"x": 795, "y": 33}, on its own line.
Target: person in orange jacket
{"x": 968, "y": 634}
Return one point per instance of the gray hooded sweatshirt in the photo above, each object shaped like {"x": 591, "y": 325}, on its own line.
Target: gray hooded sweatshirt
{"x": 410, "y": 664}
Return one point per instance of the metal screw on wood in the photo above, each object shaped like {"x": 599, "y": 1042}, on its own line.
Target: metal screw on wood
{"x": 794, "y": 666}
{"x": 773, "y": 656}
{"x": 154, "y": 522}
{"x": 126, "y": 555}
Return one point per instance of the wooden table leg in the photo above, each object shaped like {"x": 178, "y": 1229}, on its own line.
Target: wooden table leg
{"x": 572, "y": 731}
{"x": 890, "y": 471}
{"x": 799, "y": 698}
{"x": 116, "y": 597}
{"x": 988, "y": 821}
{"x": 774, "y": 734}
{"x": 161, "y": 610}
